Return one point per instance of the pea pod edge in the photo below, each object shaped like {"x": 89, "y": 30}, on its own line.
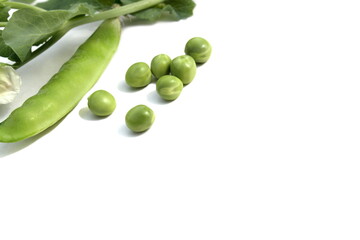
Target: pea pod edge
{"x": 66, "y": 88}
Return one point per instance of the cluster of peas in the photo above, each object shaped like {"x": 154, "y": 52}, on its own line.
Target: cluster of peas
{"x": 171, "y": 77}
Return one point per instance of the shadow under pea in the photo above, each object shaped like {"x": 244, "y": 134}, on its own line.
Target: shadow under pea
{"x": 154, "y": 98}
{"x": 126, "y": 132}
{"x": 7, "y": 149}
{"x": 86, "y": 114}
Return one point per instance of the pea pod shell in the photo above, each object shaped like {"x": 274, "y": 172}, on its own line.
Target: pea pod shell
{"x": 66, "y": 88}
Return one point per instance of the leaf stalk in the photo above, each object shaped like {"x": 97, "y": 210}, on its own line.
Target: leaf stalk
{"x": 78, "y": 21}
{"x": 115, "y": 12}
{"x": 19, "y": 5}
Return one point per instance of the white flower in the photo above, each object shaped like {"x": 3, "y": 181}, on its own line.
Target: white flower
{"x": 9, "y": 84}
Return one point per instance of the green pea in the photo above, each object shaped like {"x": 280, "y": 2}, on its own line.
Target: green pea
{"x": 101, "y": 103}
{"x": 139, "y": 118}
{"x": 138, "y": 75}
{"x": 183, "y": 67}
{"x": 198, "y": 48}
{"x": 169, "y": 87}
{"x": 160, "y": 65}
{"x": 66, "y": 88}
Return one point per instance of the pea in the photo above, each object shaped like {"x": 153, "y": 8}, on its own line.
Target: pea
{"x": 169, "y": 87}
{"x": 66, "y": 88}
{"x": 183, "y": 67}
{"x": 160, "y": 65}
{"x": 198, "y": 48}
{"x": 101, "y": 103}
{"x": 138, "y": 75}
{"x": 139, "y": 118}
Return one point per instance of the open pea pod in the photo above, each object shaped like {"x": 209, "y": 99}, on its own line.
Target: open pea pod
{"x": 66, "y": 88}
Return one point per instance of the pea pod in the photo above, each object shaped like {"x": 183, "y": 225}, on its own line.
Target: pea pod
{"x": 66, "y": 88}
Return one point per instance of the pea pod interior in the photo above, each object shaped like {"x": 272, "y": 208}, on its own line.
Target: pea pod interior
{"x": 66, "y": 88}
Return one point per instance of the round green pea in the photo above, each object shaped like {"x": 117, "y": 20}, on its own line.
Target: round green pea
{"x": 139, "y": 118}
{"x": 160, "y": 65}
{"x": 169, "y": 87}
{"x": 199, "y": 49}
{"x": 101, "y": 103}
{"x": 138, "y": 75}
{"x": 183, "y": 67}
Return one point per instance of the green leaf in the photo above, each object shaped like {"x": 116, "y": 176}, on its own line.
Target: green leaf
{"x": 181, "y": 9}
{"x": 67, "y": 4}
{"x": 107, "y": 2}
{"x": 4, "y": 13}
{"x": 28, "y": 27}
{"x": 5, "y": 50}
{"x": 173, "y": 9}
{"x": 23, "y": 1}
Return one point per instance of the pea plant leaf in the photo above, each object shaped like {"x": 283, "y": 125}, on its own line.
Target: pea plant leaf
{"x": 23, "y": 1}
{"x": 4, "y": 13}
{"x": 174, "y": 9}
{"x": 180, "y": 9}
{"x": 36, "y": 27}
{"x": 5, "y": 50}
{"x": 31, "y": 29}
{"x": 67, "y": 4}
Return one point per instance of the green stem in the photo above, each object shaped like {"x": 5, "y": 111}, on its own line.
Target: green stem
{"x": 19, "y": 5}
{"x": 3, "y": 24}
{"x": 115, "y": 12}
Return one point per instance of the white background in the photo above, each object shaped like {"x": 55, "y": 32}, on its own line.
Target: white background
{"x": 263, "y": 144}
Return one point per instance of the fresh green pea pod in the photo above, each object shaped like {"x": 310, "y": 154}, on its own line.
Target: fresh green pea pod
{"x": 66, "y": 88}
